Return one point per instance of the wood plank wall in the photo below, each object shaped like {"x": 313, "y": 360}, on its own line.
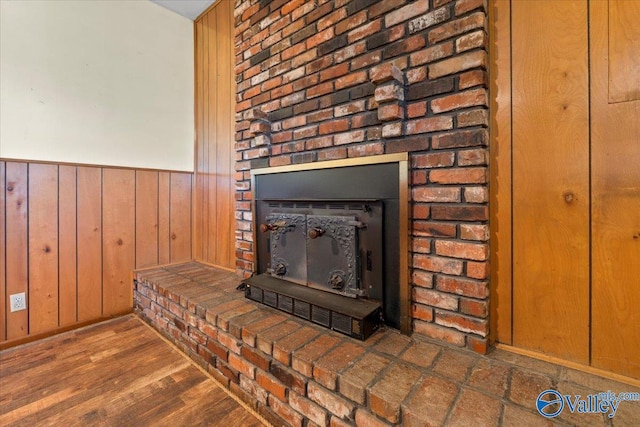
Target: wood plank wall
{"x": 70, "y": 236}
{"x": 214, "y": 204}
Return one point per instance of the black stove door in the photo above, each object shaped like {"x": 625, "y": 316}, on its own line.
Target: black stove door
{"x": 288, "y": 247}
{"x": 332, "y": 253}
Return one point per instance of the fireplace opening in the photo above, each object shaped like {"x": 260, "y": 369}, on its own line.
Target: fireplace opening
{"x": 328, "y": 240}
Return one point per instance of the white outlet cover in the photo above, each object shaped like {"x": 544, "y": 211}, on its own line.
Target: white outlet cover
{"x": 18, "y": 302}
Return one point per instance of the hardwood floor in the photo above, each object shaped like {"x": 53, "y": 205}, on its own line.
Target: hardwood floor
{"x": 116, "y": 373}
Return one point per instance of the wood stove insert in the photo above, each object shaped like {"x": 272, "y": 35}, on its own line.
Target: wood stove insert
{"x": 328, "y": 243}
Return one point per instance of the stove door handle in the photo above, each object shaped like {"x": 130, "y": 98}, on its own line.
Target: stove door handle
{"x": 316, "y": 232}
{"x": 267, "y": 227}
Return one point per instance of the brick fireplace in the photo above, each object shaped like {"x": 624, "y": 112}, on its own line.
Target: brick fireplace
{"x": 339, "y": 79}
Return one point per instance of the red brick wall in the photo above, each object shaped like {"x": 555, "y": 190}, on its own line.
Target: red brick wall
{"x": 333, "y": 79}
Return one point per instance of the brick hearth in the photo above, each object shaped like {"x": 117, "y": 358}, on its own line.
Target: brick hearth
{"x": 288, "y": 369}
{"x": 295, "y": 373}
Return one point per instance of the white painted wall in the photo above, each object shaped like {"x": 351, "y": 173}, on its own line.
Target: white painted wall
{"x": 106, "y": 82}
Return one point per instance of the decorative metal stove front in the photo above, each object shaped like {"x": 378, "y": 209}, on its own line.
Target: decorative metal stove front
{"x": 332, "y": 251}
{"x": 322, "y": 261}
{"x": 288, "y": 236}
{"x": 332, "y": 246}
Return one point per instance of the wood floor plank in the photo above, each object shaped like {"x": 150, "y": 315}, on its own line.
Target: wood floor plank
{"x": 116, "y": 373}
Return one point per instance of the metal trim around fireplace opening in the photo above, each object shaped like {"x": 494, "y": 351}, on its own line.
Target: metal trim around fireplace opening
{"x": 401, "y": 159}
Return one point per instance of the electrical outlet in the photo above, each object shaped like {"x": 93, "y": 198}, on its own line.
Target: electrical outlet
{"x": 18, "y": 302}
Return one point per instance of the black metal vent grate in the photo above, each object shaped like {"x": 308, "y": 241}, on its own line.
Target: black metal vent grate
{"x": 341, "y": 323}
{"x": 270, "y": 298}
{"x": 319, "y": 205}
{"x": 359, "y": 326}
{"x": 285, "y": 303}
{"x": 255, "y": 294}
{"x": 302, "y": 309}
{"x": 321, "y": 316}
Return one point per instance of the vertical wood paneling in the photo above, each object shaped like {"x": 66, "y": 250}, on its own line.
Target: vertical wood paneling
{"x": 225, "y": 137}
{"x": 180, "y": 217}
{"x": 70, "y": 236}
{"x": 146, "y": 218}
{"x": 209, "y": 103}
{"x": 557, "y": 73}
{"x": 551, "y": 191}
{"x": 89, "y": 243}
{"x": 118, "y": 241}
{"x": 198, "y": 199}
{"x": 501, "y": 289}
{"x": 17, "y": 268}
{"x": 164, "y": 237}
{"x": 67, "y": 264}
{"x": 215, "y": 102}
{"x": 43, "y": 247}
{"x": 624, "y": 44}
{"x": 214, "y": 64}
{"x": 3, "y": 306}
{"x": 615, "y": 177}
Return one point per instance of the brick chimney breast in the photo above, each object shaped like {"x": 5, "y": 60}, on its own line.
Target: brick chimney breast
{"x": 334, "y": 79}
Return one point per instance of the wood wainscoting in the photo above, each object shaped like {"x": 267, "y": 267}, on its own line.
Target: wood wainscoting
{"x": 71, "y": 235}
